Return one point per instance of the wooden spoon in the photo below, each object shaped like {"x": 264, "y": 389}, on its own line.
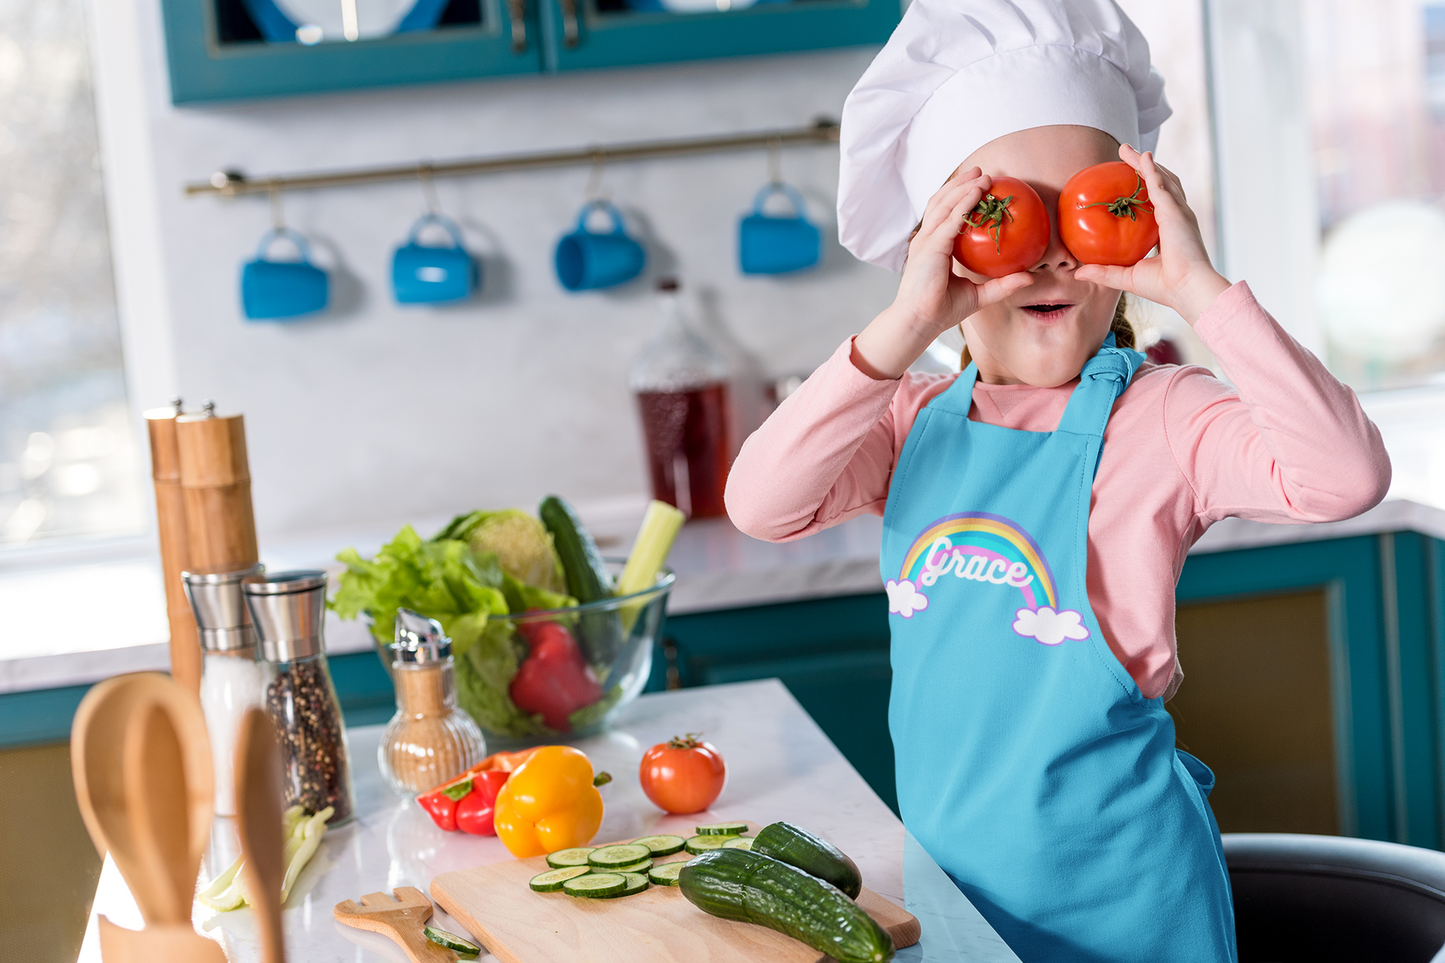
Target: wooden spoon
{"x": 156, "y": 944}
{"x": 258, "y": 823}
{"x": 98, "y": 759}
{"x": 168, "y": 802}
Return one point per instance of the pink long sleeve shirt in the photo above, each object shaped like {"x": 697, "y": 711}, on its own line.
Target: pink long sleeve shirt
{"x": 1285, "y": 443}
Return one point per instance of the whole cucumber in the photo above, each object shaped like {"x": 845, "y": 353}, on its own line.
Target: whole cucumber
{"x": 599, "y": 633}
{"x": 818, "y": 857}
{"x": 587, "y": 577}
{"x": 736, "y": 884}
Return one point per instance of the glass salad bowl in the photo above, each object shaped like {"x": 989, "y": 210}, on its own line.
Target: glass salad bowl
{"x": 561, "y": 672}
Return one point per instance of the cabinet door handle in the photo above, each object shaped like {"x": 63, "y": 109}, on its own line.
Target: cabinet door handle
{"x": 569, "y": 23}
{"x": 517, "y": 12}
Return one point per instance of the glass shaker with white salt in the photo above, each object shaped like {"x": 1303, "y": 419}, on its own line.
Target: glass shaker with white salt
{"x": 232, "y": 681}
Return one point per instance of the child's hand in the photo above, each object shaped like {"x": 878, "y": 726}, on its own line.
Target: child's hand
{"x": 931, "y": 298}
{"x": 1180, "y": 275}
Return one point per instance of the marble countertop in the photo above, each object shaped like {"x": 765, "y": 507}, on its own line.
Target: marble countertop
{"x": 780, "y": 766}
{"x": 122, "y": 627}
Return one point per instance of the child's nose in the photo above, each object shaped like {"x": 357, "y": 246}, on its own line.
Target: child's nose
{"x": 1055, "y": 256}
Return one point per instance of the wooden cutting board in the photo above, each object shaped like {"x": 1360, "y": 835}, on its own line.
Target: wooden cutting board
{"x": 659, "y": 925}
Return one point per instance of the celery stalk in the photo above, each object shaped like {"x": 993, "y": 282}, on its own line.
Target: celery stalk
{"x": 301, "y": 846}
{"x": 301, "y": 835}
{"x": 654, "y": 540}
{"x": 225, "y": 891}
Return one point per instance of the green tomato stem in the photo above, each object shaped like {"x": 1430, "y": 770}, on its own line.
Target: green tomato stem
{"x": 1124, "y": 206}
{"x": 990, "y": 214}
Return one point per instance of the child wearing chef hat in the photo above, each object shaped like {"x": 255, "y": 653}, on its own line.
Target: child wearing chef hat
{"x": 1037, "y": 506}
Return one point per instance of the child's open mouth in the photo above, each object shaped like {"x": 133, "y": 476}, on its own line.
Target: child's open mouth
{"x": 1048, "y": 312}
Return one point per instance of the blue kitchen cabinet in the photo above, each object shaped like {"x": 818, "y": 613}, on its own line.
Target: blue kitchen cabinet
{"x": 234, "y": 49}
{"x": 584, "y": 34}
{"x": 217, "y": 50}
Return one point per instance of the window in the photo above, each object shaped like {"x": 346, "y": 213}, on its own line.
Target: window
{"x": 1375, "y": 81}
{"x": 68, "y": 453}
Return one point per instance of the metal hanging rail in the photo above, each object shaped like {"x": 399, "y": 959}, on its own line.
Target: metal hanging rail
{"x": 234, "y": 184}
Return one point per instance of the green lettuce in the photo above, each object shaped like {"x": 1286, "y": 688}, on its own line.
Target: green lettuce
{"x": 444, "y": 580}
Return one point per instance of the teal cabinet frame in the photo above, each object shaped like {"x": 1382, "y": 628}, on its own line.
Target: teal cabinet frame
{"x": 202, "y": 69}
{"x": 580, "y": 38}
{"x": 1387, "y": 664}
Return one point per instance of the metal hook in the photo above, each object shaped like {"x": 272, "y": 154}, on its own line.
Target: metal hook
{"x": 278, "y": 221}
{"x": 429, "y": 189}
{"x": 775, "y": 160}
{"x": 594, "y": 179}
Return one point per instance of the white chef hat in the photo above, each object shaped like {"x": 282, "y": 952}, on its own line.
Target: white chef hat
{"x": 957, "y": 74}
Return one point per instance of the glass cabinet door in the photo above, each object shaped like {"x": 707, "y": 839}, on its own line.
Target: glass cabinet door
{"x": 224, "y": 49}
{"x": 583, "y": 34}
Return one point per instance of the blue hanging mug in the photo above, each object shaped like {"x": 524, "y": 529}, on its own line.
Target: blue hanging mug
{"x": 587, "y": 261}
{"x": 272, "y": 290}
{"x": 428, "y": 274}
{"x": 772, "y": 244}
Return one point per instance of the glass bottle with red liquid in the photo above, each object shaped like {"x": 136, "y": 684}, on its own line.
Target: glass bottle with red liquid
{"x": 682, "y": 395}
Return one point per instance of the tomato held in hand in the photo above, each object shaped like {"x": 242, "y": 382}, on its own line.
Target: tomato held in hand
{"x": 683, "y": 775}
{"x": 1105, "y": 216}
{"x": 1006, "y": 233}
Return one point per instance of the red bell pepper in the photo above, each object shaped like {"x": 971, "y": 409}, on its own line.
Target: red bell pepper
{"x": 441, "y": 802}
{"x": 474, "y": 812}
{"x": 466, "y": 802}
{"x": 555, "y": 678}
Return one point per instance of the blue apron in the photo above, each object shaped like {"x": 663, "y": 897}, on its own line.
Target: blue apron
{"x": 1030, "y": 766}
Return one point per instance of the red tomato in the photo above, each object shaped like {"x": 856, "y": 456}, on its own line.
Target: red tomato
{"x": 1007, "y": 232}
{"x": 683, "y": 775}
{"x": 1105, "y": 216}
{"x": 475, "y": 811}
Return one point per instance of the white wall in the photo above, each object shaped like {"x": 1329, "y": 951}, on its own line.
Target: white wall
{"x": 376, "y": 412}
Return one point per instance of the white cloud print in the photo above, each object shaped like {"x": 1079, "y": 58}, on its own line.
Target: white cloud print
{"x": 904, "y": 599}
{"x": 1048, "y": 626}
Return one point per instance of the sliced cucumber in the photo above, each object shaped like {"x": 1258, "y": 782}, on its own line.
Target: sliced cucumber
{"x": 569, "y": 857}
{"x": 666, "y": 874}
{"x": 552, "y": 880}
{"x": 636, "y": 883}
{"x": 641, "y": 866}
{"x": 595, "y": 885}
{"x": 706, "y": 844}
{"x": 722, "y": 829}
{"x": 611, "y": 857}
{"x": 661, "y": 845}
{"x": 451, "y": 941}
{"x": 741, "y": 842}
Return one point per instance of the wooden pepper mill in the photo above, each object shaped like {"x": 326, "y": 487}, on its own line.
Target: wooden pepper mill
{"x": 216, "y": 490}
{"x": 175, "y": 546}
{"x": 203, "y": 504}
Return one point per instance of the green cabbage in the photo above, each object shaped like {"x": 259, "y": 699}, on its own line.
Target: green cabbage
{"x": 520, "y": 541}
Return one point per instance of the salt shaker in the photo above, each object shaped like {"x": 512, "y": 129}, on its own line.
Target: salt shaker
{"x": 288, "y": 610}
{"x": 429, "y": 740}
{"x": 231, "y": 680}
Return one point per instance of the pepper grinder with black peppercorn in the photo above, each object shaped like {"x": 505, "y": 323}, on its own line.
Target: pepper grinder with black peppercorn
{"x": 288, "y": 611}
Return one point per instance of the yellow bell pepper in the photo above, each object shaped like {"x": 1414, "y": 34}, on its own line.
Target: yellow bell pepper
{"x": 549, "y": 803}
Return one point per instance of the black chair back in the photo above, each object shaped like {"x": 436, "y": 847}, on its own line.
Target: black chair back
{"x": 1324, "y": 899}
